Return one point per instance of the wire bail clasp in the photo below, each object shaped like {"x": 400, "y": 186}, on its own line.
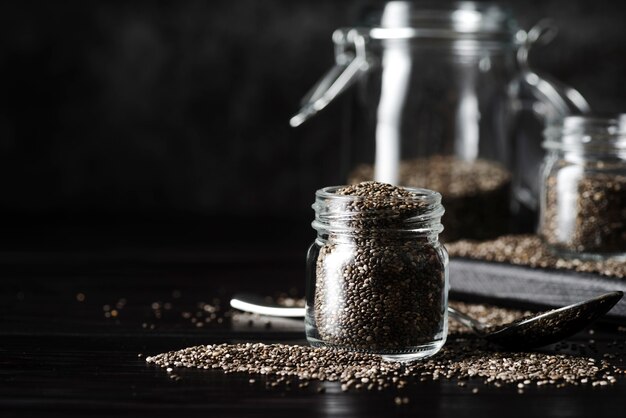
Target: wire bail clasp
{"x": 351, "y": 62}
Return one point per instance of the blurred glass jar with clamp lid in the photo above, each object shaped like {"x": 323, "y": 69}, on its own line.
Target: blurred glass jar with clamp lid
{"x": 437, "y": 97}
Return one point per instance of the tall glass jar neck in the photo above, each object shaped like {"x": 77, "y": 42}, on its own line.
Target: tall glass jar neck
{"x": 405, "y": 19}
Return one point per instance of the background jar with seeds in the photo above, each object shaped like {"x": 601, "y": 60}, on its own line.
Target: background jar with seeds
{"x": 583, "y": 195}
{"x": 377, "y": 276}
{"x": 442, "y": 96}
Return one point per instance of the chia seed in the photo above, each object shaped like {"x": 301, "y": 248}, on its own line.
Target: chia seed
{"x": 529, "y": 250}
{"x": 585, "y": 215}
{"x": 464, "y": 359}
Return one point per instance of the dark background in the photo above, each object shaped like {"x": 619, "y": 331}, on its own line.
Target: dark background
{"x": 145, "y": 152}
{"x": 172, "y": 112}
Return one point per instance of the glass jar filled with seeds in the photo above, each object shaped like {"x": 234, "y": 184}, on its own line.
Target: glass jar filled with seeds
{"x": 377, "y": 276}
{"x": 583, "y": 196}
{"x": 441, "y": 96}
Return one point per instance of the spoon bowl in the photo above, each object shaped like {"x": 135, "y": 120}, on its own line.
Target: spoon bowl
{"x": 551, "y": 326}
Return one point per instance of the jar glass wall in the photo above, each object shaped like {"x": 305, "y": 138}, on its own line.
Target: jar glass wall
{"x": 377, "y": 275}
{"x": 433, "y": 107}
{"x": 583, "y": 194}
{"x": 442, "y": 95}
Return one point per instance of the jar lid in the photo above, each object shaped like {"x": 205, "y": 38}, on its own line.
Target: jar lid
{"x": 404, "y": 19}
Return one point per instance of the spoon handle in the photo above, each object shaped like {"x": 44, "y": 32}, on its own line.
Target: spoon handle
{"x": 463, "y": 319}
{"x": 255, "y": 304}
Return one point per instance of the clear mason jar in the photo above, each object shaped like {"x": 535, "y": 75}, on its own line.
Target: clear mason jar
{"x": 439, "y": 96}
{"x": 377, "y": 276}
{"x": 583, "y": 193}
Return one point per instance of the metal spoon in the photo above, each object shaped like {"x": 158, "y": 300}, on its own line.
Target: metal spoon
{"x": 530, "y": 332}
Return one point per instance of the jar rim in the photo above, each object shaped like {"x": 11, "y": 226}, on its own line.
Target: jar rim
{"x": 417, "y": 194}
{"x": 594, "y": 132}
{"x": 334, "y": 213}
{"x": 463, "y": 19}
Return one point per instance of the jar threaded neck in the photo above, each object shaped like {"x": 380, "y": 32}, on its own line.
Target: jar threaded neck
{"x": 593, "y": 134}
{"x": 418, "y": 213}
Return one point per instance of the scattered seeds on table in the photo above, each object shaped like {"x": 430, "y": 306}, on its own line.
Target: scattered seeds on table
{"x": 529, "y": 250}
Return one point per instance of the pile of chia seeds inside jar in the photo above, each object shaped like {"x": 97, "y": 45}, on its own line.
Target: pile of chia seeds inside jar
{"x": 475, "y": 194}
{"x": 596, "y": 204}
{"x": 377, "y": 289}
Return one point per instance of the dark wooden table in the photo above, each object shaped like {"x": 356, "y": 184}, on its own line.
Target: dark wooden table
{"x": 60, "y": 356}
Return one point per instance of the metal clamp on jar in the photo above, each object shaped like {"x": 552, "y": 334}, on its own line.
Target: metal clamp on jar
{"x": 437, "y": 90}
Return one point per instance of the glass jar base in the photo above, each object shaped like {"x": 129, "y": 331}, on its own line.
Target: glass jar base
{"x": 422, "y": 352}
{"x": 565, "y": 253}
{"x": 404, "y": 356}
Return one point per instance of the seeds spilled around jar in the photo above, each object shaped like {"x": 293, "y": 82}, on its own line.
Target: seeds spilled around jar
{"x": 377, "y": 276}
